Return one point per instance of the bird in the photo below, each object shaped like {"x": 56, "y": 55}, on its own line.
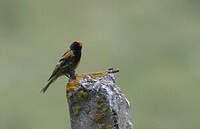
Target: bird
{"x": 67, "y": 64}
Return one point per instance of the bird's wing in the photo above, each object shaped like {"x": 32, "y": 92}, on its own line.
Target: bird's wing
{"x": 66, "y": 52}
{"x": 66, "y": 55}
{"x": 62, "y": 63}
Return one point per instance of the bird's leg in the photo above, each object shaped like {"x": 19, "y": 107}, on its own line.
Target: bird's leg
{"x": 72, "y": 75}
{"x": 67, "y": 75}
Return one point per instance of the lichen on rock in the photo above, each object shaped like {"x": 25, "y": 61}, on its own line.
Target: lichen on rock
{"x": 96, "y": 102}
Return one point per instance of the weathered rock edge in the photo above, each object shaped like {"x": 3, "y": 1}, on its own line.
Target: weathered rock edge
{"x": 96, "y": 102}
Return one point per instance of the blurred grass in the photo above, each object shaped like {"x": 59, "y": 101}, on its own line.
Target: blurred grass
{"x": 155, "y": 44}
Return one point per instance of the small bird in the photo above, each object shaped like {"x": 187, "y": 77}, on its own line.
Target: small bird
{"x": 67, "y": 64}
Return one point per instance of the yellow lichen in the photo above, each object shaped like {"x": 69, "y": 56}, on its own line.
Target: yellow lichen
{"x": 79, "y": 77}
{"x": 103, "y": 126}
{"x": 105, "y": 109}
{"x": 109, "y": 127}
{"x": 77, "y": 109}
{"x": 87, "y": 110}
{"x": 99, "y": 100}
{"x": 99, "y": 103}
{"x": 99, "y": 74}
{"x": 99, "y": 106}
{"x": 98, "y": 117}
{"x": 82, "y": 95}
{"x": 73, "y": 84}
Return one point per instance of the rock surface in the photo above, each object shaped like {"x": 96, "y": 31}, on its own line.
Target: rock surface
{"x": 96, "y": 102}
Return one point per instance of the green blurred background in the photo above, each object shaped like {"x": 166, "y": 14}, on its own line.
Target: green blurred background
{"x": 154, "y": 43}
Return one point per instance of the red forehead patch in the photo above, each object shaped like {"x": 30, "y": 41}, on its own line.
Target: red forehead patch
{"x": 79, "y": 42}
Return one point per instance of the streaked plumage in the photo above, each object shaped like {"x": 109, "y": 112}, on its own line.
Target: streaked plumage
{"x": 67, "y": 64}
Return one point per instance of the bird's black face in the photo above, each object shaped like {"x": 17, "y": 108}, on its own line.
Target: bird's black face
{"x": 77, "y": 45}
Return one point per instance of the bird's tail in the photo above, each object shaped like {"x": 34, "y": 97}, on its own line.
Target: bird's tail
{"x": 51, "y": 80}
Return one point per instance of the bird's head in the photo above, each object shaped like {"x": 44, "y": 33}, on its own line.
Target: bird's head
{"x": 76, "y": 45}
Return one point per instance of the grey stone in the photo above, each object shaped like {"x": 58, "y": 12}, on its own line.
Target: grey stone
{"x": 98, "y": 103}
